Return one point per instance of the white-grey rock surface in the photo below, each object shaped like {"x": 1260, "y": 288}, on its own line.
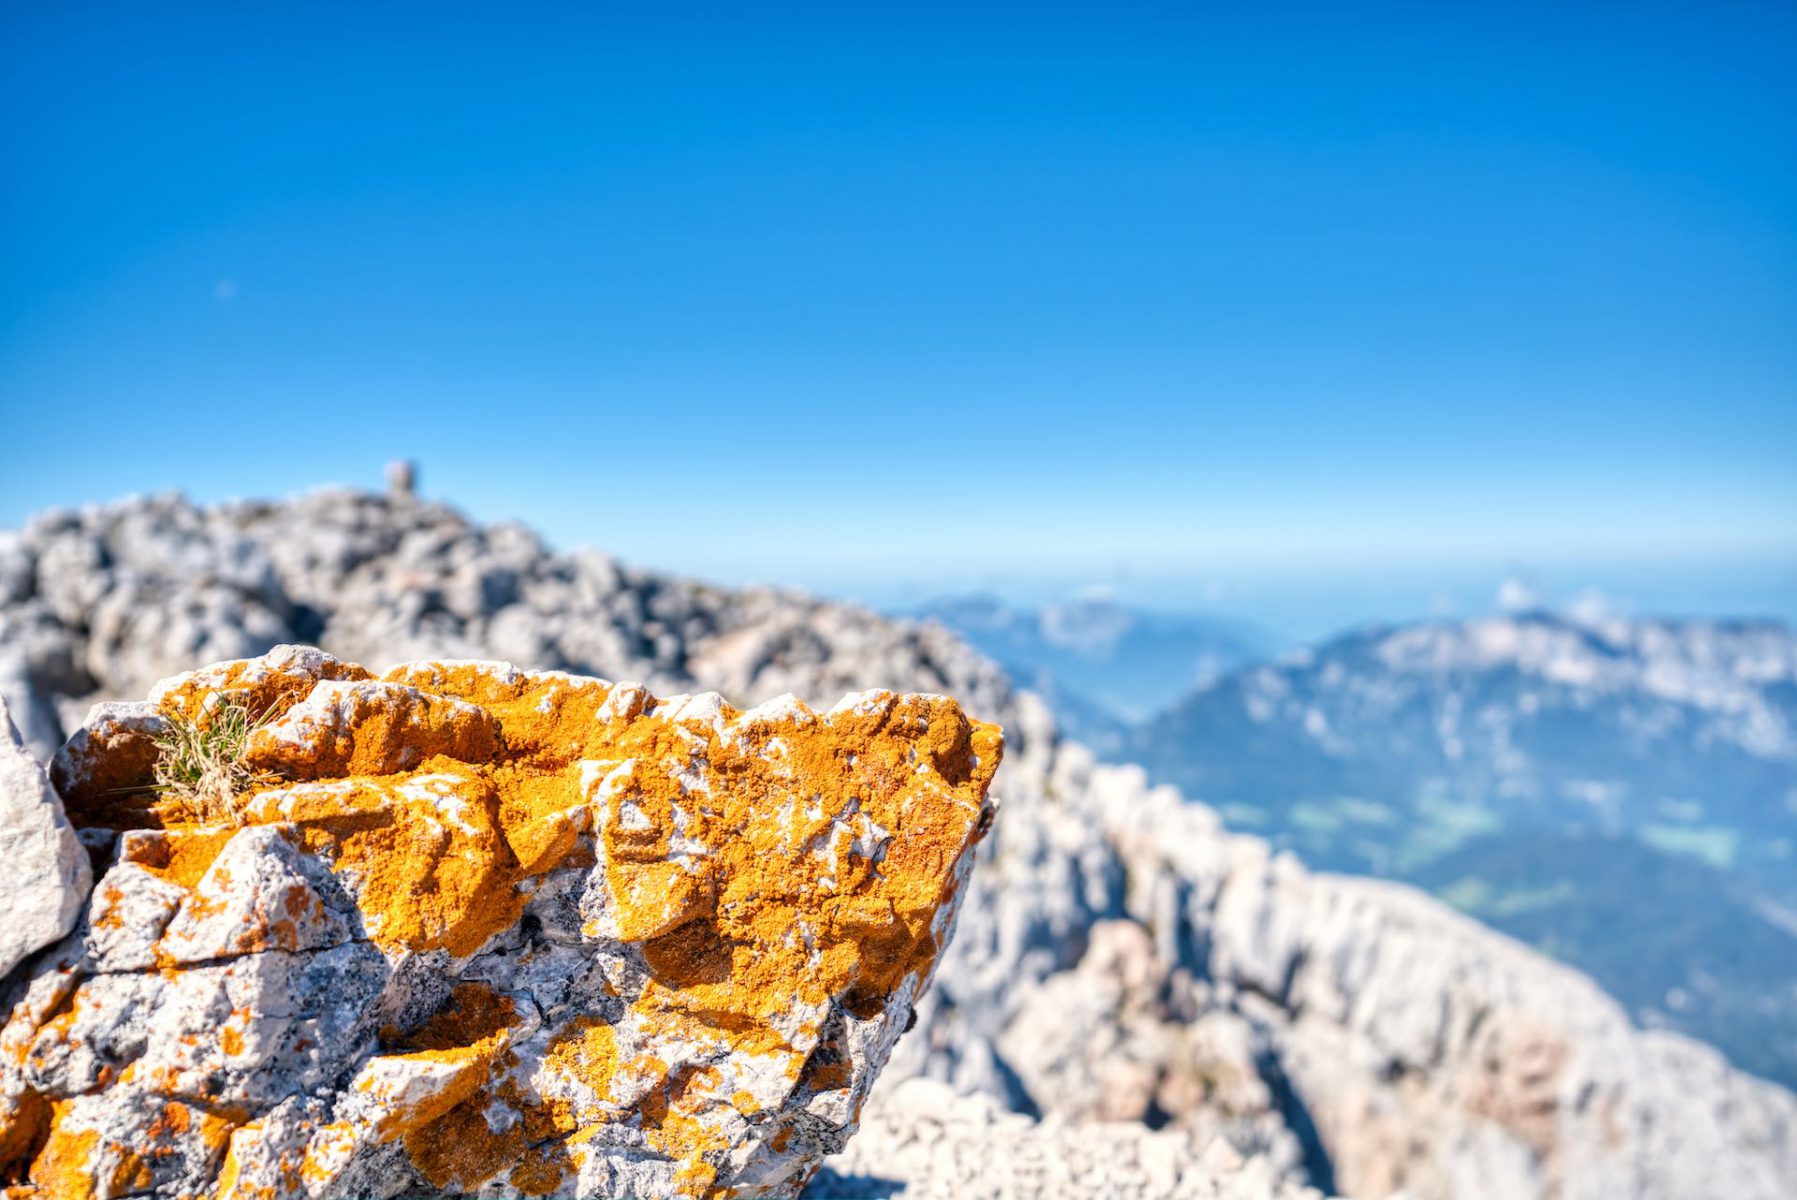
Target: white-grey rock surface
{"x": 46, "y": 870}
{"x": 924, "y": 1141}
{"x": 1120, "y": 956}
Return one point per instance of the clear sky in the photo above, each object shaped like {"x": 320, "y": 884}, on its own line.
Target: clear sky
{"x": 812, "y": 294}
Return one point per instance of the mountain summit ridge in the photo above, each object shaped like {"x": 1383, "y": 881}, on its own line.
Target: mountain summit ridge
{"x": 1121, "y": 956}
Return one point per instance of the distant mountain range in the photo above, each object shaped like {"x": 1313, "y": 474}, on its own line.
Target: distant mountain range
{"x": 1619, "y": 793}
{"x": 1102, "y": 666}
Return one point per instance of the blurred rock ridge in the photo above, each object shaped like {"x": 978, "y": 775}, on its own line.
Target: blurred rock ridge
{"x": 1134, "y": 1002}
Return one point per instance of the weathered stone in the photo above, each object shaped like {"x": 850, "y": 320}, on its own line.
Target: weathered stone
{"x": 479, "y": 928}
{"x": 112, "y": 750}
{"x": 47, "y": 874}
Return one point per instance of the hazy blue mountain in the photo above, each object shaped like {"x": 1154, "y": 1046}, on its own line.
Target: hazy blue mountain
{"x": 1677, "y": 939}
{"x": 1101, "y": 665}
{"x": 1620, "y": 793}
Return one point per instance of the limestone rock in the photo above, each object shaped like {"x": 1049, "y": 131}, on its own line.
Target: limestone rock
{"x": 484, "y": 929}
{"x": 1121, "y": 952}
{"x": 46, "y": 868}
{"x": 922, "y": 1141}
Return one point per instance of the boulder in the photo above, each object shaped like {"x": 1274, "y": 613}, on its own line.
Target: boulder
{"x": 472, "y": 928}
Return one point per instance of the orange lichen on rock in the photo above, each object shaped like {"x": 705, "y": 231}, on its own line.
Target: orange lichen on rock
{"x": 179, "y": 855}
{"x": 423, "y": 853}
{"x": 688, "y": 922}
{"x": 62, "y": 1167}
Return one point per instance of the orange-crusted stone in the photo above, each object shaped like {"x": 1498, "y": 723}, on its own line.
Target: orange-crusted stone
{"x": 535, "y": 931}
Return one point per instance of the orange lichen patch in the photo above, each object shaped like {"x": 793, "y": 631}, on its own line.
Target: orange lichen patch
{"x": 230, "y": 1178}
{"x": 474, "y": 1013}
{"x": 61, "y": 1021}
{"x": 177, "y": 1120}
{"x": 541, "y": 1171}
{"x": 22, "y": 1133}
{"x": 671, "y": 1122}
{"x": 98, "y": 770}
{"x": 587, "y": 1050}
{"x": 658, "y": 897}
{"x": 215, "y": 1128}
{"x": 547, "y": 718}
{"x": 843, "y": 830}
{"x": 461, "y": 1151}
{"x": 778, "y": 807}
{"x": 571, "y": 1097}
{"x": 130, "y": 1172}
{"x": 262, "y": 686}
{"x": 428, "y": 862}
{"x": 443, "y": 1062}
{"x": 826, "y": 1074}
{"x": 551, "y": 841}
{"x": 107, "y": 912}
{"x": 326, "y": 1152}
{"x": 545, "y": 818}
{"x": 369, "y": 728}
{"x": 65, "y": 1166}
{"x": 417, "y": 1089}
{"x": 586, "y": 1056}
{"x": 179, "y": 855}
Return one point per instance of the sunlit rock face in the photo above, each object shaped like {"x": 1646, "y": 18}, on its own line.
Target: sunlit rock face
{"x": 46, "y": 871}
{"x": 474, "y": 928}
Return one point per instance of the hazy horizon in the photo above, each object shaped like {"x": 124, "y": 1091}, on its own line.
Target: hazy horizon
{"x": 1291, "y": 604}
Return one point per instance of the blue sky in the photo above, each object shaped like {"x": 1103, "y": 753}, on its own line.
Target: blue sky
{"x": 823, "y": 295}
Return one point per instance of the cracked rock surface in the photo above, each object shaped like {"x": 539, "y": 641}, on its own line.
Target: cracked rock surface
{"x": 483, "y": 930}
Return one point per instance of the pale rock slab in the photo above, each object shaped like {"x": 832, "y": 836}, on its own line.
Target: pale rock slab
{"x": 47, "y": 871}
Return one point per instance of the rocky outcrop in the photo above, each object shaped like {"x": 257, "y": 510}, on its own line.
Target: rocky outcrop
{"x": 926, "y": 1142}
{"x": 102, "y": 603}
{"x": 1121, "y": 962}
{"x": 47, "y": 870}
{"x": 1123, "y": 956}
{"x": 472, "y": 928}
{"x": 1419, "y": 1050}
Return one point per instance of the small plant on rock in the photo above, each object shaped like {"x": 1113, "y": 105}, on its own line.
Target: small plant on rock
{"x": 201, "y": 762}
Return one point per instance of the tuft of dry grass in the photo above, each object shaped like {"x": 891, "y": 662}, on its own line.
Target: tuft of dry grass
{"x": 201, "y": 762}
